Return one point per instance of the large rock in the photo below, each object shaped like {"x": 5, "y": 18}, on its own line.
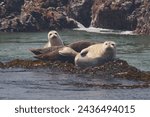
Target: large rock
{"x": 122, "y": 14}
{"x": 54, "y": 3}
{"x": 112, "y": 69}
{"x": 113, "y": 14}
{"x": 143, "y": 18}
{"x": 34, "y": 16}
{"x": 10, "y": 6}
{"x": 39, "y": 15}
{"x": 80, "y": 10}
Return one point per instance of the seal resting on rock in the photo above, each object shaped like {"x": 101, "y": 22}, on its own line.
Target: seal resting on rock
{"x": 53, "y": 54}
{"x": 93, "y": 55}
{"x": 53, "y": 39}
{"x": 77, "y": 46}
{"x": 96, "y": 54}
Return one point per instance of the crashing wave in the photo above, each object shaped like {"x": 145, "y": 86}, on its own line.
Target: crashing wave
{"x": 105, "y": 31}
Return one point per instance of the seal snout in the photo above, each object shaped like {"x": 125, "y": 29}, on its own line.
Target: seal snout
{"x": 53, "y": 35}
{"x": 53, "y": 39}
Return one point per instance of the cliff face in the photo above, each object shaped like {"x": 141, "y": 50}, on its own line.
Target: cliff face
{"x": 113, "y": 14}
{"x": 34, "y": 15}
{"x": 80, "y": 10}
{"x": 131, "y": 15}
{"x": 38, "y": 15}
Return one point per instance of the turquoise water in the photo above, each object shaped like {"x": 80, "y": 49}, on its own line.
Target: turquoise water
{"x": 48, "y": 84}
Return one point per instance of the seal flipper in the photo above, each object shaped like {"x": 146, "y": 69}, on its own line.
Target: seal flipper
{"x": 45, "y": 50}
{"x": 67, "y": 51}
{"x": 84, "y": 52}
{"x": 55, "y": 56}
{"x": 49, "y": 56}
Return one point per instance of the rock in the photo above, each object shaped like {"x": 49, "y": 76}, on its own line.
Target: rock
{"x": 1, "y": 65}
{"x": 113, "y": 15}
{"x": 117, "y": 68}
{"x": 54, "y": 3}
{"x": 32, "y": 16}
{"x": 13, "y": 5}
{"x": 24, "y": 64}
{"x": 123, "y": 15}
{"x": 8, "y": 7}
{"x": 80, "y": 10}
{"x": 143, "y": 18}
{"x": 40, "y": 15}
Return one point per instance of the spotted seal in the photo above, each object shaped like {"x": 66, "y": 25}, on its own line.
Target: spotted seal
{"x": 53, "y": 39}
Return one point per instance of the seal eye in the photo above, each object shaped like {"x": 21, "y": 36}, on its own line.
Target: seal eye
{"x": 83, "y": 54}
{"x": 106, "y": 43}
{"x": 56, "y": 33}
{"x": 113, "y": 44}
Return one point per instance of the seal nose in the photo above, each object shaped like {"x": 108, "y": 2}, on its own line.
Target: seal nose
{"x": 109, "y": 48}
{"x": 54, "y": 36}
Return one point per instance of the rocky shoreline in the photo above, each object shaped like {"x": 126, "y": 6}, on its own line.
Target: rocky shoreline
{"x": 113, "y": 69}
{"x": 42, "y": 15}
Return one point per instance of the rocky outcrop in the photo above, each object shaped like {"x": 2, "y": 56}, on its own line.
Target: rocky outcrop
{"x": 80, "y": 10}
{"x": 34, "y": 15}
{"x": 9, "y": 7}
{"x": 143, "y": 18}
{"x": 38, "y": 15}
{"x": 122, "y": 14}
{"x": 116, "y": 68}
{"x": 113, "y": 14}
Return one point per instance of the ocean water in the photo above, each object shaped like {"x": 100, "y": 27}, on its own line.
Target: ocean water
{"x": 17, "y": 83}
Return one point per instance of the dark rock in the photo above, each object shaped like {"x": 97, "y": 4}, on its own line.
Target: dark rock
{"x": 25, "y": 64}
{"x": 143, "y": 18}
{"x": 12, "y": 6}
{"x": 123, "y": 15}
{"x": 54, "y": 3}
{"x": 113, "y": 15}
{"x": 1, "y": 65}
{"x": 116, "y": 68}
{"x": 39, "y": 15}
{"x": 80, "y": 11}
{"x": 32, "y": 17}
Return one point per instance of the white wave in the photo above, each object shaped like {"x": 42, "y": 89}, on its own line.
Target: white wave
{"x": 78, "y": 23}
{"x": 105, "y": 31}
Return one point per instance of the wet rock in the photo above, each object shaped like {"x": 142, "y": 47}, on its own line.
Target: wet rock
{"x": 112, "y": 69}
{"x": 1, "y": 65}
{"x": 80, "y": 10}
{"x": 143, "y": 18}
{"x": 24, "y": 64}
{"x": 39, "y": 15}
{"x": 121, "y": 14}
{"x": 113, "y": 14}
{"x": 13, "y": 5}
{"x": 8, "y": 7}
{"x": 32, "y": 16}
{"x": 54, "y": 3}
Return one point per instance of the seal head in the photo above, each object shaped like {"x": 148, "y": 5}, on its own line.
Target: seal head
{"x": 53, "y": 39}
{"x": 96, "y": 54}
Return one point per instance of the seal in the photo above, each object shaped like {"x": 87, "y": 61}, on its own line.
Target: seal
{"x": 92, "y": 55}
{"x": 96, "y": 54}
{"x": 77, "y": 46}
{"x": 68, "y": 54}
{"x": 53, "y": 39}
{"x": 55, "y": 55}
